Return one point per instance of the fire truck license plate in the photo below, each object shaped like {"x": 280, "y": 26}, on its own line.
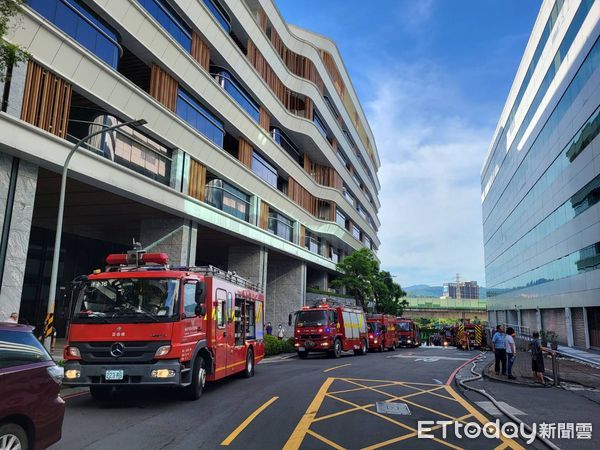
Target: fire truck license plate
{"x": 309, "y": 343}
{"x": 114, "y": 375}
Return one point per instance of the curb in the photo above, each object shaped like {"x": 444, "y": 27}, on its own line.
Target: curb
{"x": 499, "y": 379}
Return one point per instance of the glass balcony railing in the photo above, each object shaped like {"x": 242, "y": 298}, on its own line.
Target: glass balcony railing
{"x": 281, "y": 226}
{"x": 312, "y": 244}
{"x": 230, "y": 84}
{"x": 320, "y": 125}
{"x": 263, "y": 169}
{"x": 284, "y": 142}
{"x": 219, "y": 13}
{"x": 199, "y": 117}
{"x": 228, "y": 199}
{"x": 170, "y": 21}
{"x": 76, "y": 20}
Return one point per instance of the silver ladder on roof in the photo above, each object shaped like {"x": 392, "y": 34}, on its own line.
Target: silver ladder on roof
{"x": 225, "y": 274}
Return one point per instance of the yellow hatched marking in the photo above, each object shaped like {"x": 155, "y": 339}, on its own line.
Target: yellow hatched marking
{"x": 241, "y": 427}
{"x": 344, "y": 391}
{"x": 337, "y": 367}
{"x": 324, "y": 439}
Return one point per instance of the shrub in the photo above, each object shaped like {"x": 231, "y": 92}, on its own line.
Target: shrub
{"x": 275, "y": 346}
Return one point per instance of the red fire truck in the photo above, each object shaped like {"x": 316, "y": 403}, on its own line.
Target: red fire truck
{"x": 329, "y": 327}
{"x": 382, "y": 332}
{"x": 141, "y": 322}
{"x": 408, "y": 333}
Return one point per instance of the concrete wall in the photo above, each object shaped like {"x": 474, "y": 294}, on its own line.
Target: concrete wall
{"x": 16, "y": 226}
{"x": 176, "y": 237}
{"x": 286, "y": 290}
{"x": 249, "y": 261}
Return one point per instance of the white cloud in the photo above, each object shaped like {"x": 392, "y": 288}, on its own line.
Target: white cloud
{"x": 431, "y": 152}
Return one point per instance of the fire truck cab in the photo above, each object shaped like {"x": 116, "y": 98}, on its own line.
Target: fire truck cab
{"x": 143, "y": 323}
{"x": 331, "y": 328}
{"x": 408, "y": 333}
{"x": 382, "y": 332}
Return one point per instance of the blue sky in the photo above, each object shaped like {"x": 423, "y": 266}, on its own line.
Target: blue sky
{"x": 432, "y": 76}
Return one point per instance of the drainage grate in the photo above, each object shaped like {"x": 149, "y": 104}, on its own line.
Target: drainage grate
{"x": 400, "y": 409}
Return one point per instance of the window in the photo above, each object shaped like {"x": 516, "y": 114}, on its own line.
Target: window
{"x": 189, "y": 299}
{"x": 312, "y": 242}
{"x": 340, "y": 218}
{"x": 221, "y": 308}
{"x": 225, "y": 197}
{"x": 264, "y": 169}
{"x": 20, "y": 348}
{"x": 355, "y": 232}
{"x": 239, "y": 94}
{"x": 190, "y": 110}
{"x": 164, "y": 13}
{"x": 320, "y": 123}
{"x": 76, "y": 20}
{"x": 280, "y": 225}
{"x": 331, "y": 107}
{"x": 284, "y": 142}
{"x": 219, "y": 12}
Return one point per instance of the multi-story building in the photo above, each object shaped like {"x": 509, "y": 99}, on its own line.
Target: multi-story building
{"x": 256, "y": 156}
{"x": 541, "y": 182}
{"x": 467, "y": 290}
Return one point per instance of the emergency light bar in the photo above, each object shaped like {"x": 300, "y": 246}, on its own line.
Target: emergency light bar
{"x": 121, "y": 259}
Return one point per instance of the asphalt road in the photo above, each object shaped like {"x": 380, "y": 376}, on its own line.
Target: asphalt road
{"x": 314, "y": 403}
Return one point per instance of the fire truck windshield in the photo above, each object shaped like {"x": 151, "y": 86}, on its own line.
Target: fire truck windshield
{"x": 403, "y": 326}
{"x": 373, "y": 327}
{"x": 127, "y": 300}
{"x": 311, "y": 318}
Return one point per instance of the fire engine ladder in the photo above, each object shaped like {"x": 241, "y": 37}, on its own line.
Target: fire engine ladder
{"x": 227, "y": 275}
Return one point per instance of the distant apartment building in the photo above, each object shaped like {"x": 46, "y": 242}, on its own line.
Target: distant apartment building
{"x": 467, "y": 290}
{"x": 541, "y": 182}
{"x": 256, "y": 156}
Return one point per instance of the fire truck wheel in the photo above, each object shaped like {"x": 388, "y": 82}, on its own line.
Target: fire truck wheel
{"x": 249, "y": 368}
{"x": 363, "y": 348}
{"x": 393, "y": 347}
{"x": 101, "y": 393}
{"x": 381, "y": 347}
{"x": 337, "y": 349}
{"x": 194, "y": 390}
{"x": 303, "y": 355}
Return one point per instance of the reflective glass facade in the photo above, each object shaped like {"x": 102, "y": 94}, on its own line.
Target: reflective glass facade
{"x": 265, "y": 170}
{"x": 281, "y": 225}
{"x": 219, "y": 13}
{"x": 81, "y": 24}
{"x": 190, "y": 110}
{"x": 164, "y": 13}
{"x": 233, "y": 88}
{"x": 229, "y": 199}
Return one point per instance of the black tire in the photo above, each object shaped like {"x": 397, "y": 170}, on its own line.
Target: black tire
{"x": 393, "y": 347}
{"x": 303, "y": 355}
{"x": 101, "y": 393}
{"x": 381, "y": 347}
{"x": 194, "y": 390}
{"x": 364, "y": 348}
{"x": 249, "y": 367}
{"x": 337, "y": 349}
{"x": 15, "y": 435}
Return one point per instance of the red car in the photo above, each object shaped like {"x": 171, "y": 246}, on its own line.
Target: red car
{"x": 31, "y": 410}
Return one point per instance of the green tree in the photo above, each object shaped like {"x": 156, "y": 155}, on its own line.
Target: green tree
{"x": 388, "y": 295}
{"x": 358, "y": 275}
{"x": 10, "y": 54}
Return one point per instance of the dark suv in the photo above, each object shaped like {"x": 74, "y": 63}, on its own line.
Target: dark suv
{"x": 31, "y": 411}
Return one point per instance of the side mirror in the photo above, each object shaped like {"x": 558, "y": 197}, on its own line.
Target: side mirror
{"x": 290, "y": 320}
{"x": 200, "y": 310}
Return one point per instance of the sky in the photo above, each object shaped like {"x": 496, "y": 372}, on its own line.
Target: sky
{"x": 432, "y": 77}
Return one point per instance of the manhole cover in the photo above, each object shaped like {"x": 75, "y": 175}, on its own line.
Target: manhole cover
{"x": 393, "y": 408}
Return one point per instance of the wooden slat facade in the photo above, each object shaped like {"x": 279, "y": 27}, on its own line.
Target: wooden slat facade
{"x": 245, "y": 152}
{"x": 324, "y": 175}
{"x": 46, "y": 100}
{"x": 264, "y": 119}
{"x": 197, "y": 180}
{"x": 163, "y": 87}
{"x": 303, "y": 198}
{"x": 302, "y": 235}
{"x": 200, "y": 51}
{"x": 263, "y": 220}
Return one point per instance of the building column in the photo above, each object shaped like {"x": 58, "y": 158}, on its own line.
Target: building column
{"x": 586, "y": 328}
{"x": 569, "y": 323}
{"x": 18, "y": 179}
{"x": 286, "y": 288}
{"x": 179, "y": 176}
{"x": 538, "y": 319}
{"x": 14, "y": 100}
{"x": 174, "y": 236}
{"x": 249, "y": 261}
{"x": 519, "y": 319}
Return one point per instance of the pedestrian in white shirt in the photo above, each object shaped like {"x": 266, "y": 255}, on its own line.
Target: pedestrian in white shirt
{"x": 511, "y": 350}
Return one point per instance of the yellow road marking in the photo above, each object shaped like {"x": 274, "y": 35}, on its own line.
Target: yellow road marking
{"x": 337, "y": 367}
{"x": 246, "y": 422}
{"x": 324, "y": 439}
{"x": 508, "y": 442}
{"x": 388, "y": 381}
{"x": 297, "y": 436}
{"x": 345, "y": 391}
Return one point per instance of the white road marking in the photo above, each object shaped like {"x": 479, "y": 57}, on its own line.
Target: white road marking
{"x": 437, "y": 381}
{"x": 491, "y": 409}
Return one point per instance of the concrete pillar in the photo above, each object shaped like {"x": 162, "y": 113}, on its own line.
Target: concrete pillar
{"x": 249, "y": 261}
{"x": 317, "y": 279}
{"x": 18, "y": 182}
{"x": 286, "y": 290}
{"x": 179, "y": 176}
{"x": 569, "y": 323}
{"x": 16, "y": 89}
{"x": 538, "y": 319}
{"x": 586, "y": 328}
{"x": 174, "y": 236}
{"x": 519, "y": 318}
{"x": 255, "y": 210}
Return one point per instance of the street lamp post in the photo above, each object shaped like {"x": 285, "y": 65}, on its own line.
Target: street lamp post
{"x": 59, "y": 224}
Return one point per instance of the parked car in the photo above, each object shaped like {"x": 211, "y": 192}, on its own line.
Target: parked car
{"x": 31, "y": 410}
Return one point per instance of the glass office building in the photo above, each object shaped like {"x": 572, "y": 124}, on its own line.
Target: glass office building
{"x": 541, "y": 183}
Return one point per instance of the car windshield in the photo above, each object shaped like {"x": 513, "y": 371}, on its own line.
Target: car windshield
{"x": 127, "y": 299}
{"x": 403, "y": 326}
{"x": 311, "y": 318}
{"x": 373, "y": 326}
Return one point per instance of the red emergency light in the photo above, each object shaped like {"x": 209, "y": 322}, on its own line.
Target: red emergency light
{"x": 117, "y": 259}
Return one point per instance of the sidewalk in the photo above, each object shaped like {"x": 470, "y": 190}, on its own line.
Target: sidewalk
{"x": 569, "y": 370}
{"x": 588, "y": 356}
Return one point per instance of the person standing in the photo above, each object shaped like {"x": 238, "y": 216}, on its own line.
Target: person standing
{"x": 280, "y": 332}
{"x": 537, "y": 358}
{"x": 269, "y": 328}
{"x": 499, "y": 346}
{"x": 511, "y": 351}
